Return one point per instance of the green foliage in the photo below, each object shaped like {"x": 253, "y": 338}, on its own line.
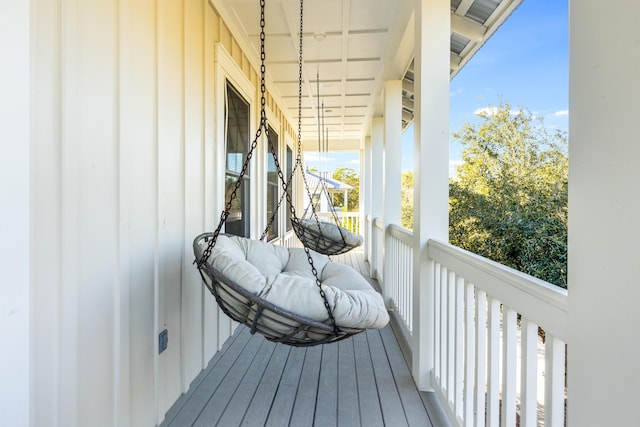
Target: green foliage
{"x": 348, "y": 176}
{"x": 406, "y": 201}
{"x": 509, "y": 200}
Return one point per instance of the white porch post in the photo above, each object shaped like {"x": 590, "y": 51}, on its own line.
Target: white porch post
{"x": 377, "y": 164}
{"x": 15, "y": 167}
{"x": 392, "y": 169}
{"x": 604, "y": 272}
{"x": 366, "y": 196}
{"x": 431, "y": 154}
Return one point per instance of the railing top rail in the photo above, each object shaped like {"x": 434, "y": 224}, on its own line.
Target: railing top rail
{"x": 536, "y": 299}
{"x": 379, "y": 223}
{"x": 403, "y": 234}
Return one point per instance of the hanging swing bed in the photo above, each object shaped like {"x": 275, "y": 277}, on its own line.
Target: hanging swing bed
{"x": 325, "y": 237}
{"x": 294, "y": 296}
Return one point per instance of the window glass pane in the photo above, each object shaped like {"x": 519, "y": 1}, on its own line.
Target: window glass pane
{"x": 272, "y": 187}
{"x": 290, "y": 188}
{"x": 237, "y": 130}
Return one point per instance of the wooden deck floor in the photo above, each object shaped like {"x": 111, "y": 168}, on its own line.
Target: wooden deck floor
{"x": 361, "y": 381}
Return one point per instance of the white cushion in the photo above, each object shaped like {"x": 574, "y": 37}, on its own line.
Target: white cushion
{"x": 283, "y": 277}
{"x": 332, "y": 231}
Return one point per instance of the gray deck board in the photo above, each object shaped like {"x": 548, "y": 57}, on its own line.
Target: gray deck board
{"x": 361, "y": 381}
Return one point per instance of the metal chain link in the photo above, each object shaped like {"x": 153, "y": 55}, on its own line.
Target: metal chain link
{"x": 263, "y": 126}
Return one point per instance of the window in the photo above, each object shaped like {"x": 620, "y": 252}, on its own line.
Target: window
{"x": 272, "y": 187}
{"x": 237, "y": 130}
{"x": 290, "y": 187}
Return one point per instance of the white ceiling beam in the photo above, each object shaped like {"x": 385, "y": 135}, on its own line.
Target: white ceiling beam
{"x": 454, "y": 60}
{"x": 464, "y": 7}
{"x": 407, "y": 86}
{"x": 467, "y": 27}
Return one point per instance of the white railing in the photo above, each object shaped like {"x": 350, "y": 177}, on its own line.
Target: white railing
{"x": 348, "y": 220}
{"x": 290, "y": 240}
{"x": 377, "y": 248}
{"x": 400, "y": 278}
{"x": 499, "y": 350}
{"x": 488, "y": 352}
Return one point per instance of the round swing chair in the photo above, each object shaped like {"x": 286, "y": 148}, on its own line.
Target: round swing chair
{"x": 294, "y": 296}
{"x": 328, "y": 238}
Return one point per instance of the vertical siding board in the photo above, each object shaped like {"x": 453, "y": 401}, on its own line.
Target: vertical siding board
{"x": 170, "y": 195}
{"x": 210, "y": 311}
{"x": 46, "y": 218}
{"x": 94, "y": 149}
{"x": 193, "y": 192}
{"x": 139, "y": 206}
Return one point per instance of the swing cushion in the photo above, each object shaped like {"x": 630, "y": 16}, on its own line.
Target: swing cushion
{"x": 283, "y": 277}
{"x": 333, "y": 232}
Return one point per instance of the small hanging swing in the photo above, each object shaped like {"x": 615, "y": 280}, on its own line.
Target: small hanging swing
{"x": 270, "y": 288}
{"x": 328, "y": 238}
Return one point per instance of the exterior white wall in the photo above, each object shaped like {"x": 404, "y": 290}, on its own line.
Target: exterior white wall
{"x": 116, "y": 165}
{"x": 604, "y": 272}
{"x": 15, "y": 243}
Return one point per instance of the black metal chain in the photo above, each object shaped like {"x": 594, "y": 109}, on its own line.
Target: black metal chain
{"x": 263, "y": 126}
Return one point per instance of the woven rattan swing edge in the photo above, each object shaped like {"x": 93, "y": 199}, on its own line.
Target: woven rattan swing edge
{"x": 319, "y": 328}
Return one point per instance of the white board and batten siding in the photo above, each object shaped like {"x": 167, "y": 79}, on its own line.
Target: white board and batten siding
{"x": 125, "y": 159}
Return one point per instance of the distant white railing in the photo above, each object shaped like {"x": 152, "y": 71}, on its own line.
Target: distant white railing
{"x": 290, "y": 240}
{"x": 490, "y": 363}
{"x": 377, "y": 248}
{"x": 400, "y": 278}
{"x": 348, "y": 220}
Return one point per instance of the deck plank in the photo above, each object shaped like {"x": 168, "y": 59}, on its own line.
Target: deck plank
{"x": 304, "y": 408}
{"x": 241, "y": 400}
{"x": 227, "y": 387}
{"x": 285, "y": 396}
{"x": 197, "y": 401}
{"x": 369, "y": 401}
{"x": 347, "y": 390}
{"x": 413, "y": 405}
{"x": 266, "y": 390}
{"x": 327, "y": 399}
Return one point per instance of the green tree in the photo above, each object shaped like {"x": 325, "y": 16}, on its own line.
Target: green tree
{"x": 348, "y": 176}
{"x": 406, "y": 200}
{"x": 509, "y": 200}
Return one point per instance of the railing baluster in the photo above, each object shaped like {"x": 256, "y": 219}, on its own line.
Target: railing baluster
{"x": 529, "y": 374}
{"x": 509, "y": 370}
{"x": 470, "y": 328}
{"x": 481, "y": 358}
{"x": 451, "y": 336}
{"x": 493, "y": 389}
{"x": 554, "y": 370}
{"x": 443, "y": 326}
{"x": 459, "y": 348}
{"x": 437, "y": 366}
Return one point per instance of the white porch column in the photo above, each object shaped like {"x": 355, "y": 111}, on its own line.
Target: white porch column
{"x": 431, "y": 158}
{"x": 365, "y": 196}
{"x": 392, "y": 168}
{"x": 604, "y": 272}
{"x": 377, "y": 164}
{"x": 15, "y": 166}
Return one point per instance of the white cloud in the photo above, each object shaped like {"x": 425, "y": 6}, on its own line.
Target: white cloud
{"x": 453, "y": 165}
{"x": 560, "y": 113}
{"x": 354, "y": 162}
{"x": 491, "y": 111}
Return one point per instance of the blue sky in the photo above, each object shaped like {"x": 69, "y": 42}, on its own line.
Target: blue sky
{"x": 524, "y": 63}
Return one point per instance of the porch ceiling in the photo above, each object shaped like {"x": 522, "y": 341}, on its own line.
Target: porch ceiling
{"x": 355, "y": 46}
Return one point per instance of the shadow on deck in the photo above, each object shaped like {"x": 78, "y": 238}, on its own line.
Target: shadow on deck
{"x": 360, "y": 381}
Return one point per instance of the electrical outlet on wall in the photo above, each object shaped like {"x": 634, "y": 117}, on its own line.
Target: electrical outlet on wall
{"x": 163, "y": 341}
